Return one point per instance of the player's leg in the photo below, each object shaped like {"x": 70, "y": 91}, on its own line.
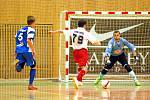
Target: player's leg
{"x": 104, "y": 71}
{"x": 32, "y": 76}
{"x": 81, "y": 74}
{"x": 75, "y": 79}
{"x": 76, "y": 59}
{"x": 122, "y": 59}
{"x": 30, "y": 61}
{"x": 82, "y": 64}
{"x": 79, "y": 69}
{"x": 80, "y": 57}
{"x": 20, "y": 66}
{"x": 75, "y": 56}
{"x": 20, "y": 62}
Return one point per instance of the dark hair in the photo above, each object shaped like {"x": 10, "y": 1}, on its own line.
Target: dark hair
{"x": 81, "y": 23}
{"x": 116, "y": 31}
{"x": 30, "y": 20}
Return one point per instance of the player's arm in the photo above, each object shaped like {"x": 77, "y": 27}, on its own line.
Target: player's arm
{"x": 96, "y": 42}
{"x": 130, "y": 46}
{"x": 132, "y": 49}
{"x": 60, "y": 31}
{"x": 92, "y": 39}
{"x": 30, "y": 44}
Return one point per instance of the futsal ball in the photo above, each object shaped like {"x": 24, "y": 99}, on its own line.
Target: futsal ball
{"x": 105, "y": 84}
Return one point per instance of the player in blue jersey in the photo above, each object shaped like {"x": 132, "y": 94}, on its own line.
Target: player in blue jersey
{"x": 25, "y": 51}
{"x": 115, "y": 52}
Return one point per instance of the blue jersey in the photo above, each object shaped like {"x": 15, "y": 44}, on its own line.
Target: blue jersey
{"x": 21, "y": 39}
{"x": 114, "y": 46}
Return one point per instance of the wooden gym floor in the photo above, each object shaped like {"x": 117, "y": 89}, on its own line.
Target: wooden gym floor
{"x": 52, "y": 90}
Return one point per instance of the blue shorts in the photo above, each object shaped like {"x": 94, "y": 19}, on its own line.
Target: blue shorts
{"x": 26, "y": 58}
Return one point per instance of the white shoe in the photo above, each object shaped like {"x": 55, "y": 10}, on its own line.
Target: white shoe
{"x": 80, "y": 83}
{"x": 75, "y": 81}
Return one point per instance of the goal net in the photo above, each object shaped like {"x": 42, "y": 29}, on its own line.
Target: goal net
{"x": 135, "y": 27}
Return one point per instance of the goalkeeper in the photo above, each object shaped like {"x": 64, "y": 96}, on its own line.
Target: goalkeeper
{"x": 115, "y": 52}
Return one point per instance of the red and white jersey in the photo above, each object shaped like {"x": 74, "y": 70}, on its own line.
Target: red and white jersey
{"x": 82, "y": 37}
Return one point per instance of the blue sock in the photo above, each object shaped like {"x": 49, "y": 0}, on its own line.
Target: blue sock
{"x": 32, "y": 75}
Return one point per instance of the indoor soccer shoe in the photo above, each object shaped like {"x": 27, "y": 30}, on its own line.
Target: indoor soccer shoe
{"x": 32, "y": 88}
{"x": 18, "y": 68}
{"x": 16, "y": 62}
{"x": 137, "y": 83}
{"x": 75, "y": 81}
{"x": 98, "y": 80}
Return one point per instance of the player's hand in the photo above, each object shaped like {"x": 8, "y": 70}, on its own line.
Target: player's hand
{"x": 106, "y": 60}
{"x": 97, "y": 43}
{"x": 60, "y": 31}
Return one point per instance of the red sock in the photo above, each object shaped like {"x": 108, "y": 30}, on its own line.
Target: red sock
{"x": 80, "y": 75}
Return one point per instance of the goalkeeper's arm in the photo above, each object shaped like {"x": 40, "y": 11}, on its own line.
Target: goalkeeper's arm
{"x": 132, "y": 49}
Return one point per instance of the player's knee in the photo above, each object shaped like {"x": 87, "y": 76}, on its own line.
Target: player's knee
{"x": 104, "y": 71}
{"x": 19, "y": 67}
{"x": 109, "y": 66}
{"x": 85, "y": 68}
{"x": 82, "y": 64}
{"x": 33, "y": 66}
{"x": 127, "y": 67}
{"x": 106, "y": 68}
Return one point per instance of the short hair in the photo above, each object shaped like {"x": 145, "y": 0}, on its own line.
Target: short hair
{"x": 30, "y": 20}
{"x": 81, "y": 23}
{"x": 116, "y": 32}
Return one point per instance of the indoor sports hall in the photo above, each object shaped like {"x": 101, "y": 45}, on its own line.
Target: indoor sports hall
{"x": 54, "y": 49}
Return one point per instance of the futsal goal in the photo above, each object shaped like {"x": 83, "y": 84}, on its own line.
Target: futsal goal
{"x": 134, "y": 26}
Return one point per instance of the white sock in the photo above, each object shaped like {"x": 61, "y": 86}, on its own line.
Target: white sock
{"x": 133, "y": 76}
